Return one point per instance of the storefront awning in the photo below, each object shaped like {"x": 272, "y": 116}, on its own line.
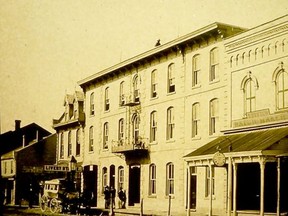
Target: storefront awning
{"x": 264, "y": 142}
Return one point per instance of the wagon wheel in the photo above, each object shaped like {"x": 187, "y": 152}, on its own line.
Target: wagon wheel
{"x": 54, "y": 205}
{"x": 43, "y": 203}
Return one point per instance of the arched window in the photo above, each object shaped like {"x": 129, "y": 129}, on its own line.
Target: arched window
{"x": 256, "y": 54}
{"x": 152, "y": 179}
{"x": 171, "y": 78}
{"x": 249, "y": 95}
{"x": 282, "y": 89}
{"x": 105, "y": 135}
{"x": 121, "y": 94}
{"x": 249, "y": 55}
{"x": 120, "y": 177}
{"x": 262, "y": 52}
{"x": 91, "y": 144}
{"x": 153, "y": 126}
{"x": 169, "y": 179}
{"x": 170, "y": 123}
{"x": 121, "y": 132}
{"x": 283, "y": 45}
{"x": 104, "y": 178}
{"x": 195, "y": 70}
{"x": 268, "y": 49}
{"x": 195, "y": 119}
{"x": 61, "y": 146}
{"x": 106, "y": 100}
{"x": 243, "y": 58}
{"x": 78, "y": 143}
{"x": 135, "y": 128}
{"x": 69, "y": 144}
{"x": 214, "y": 64}
{"x": 153, "y": 84}
{"x": 237, "y": 59}
{"x": 92, "y": 108}
{"x": 136, "y": 89}
{"x": 276, "y": 47}
{"x": 214, "y": 116}
{"x": 231, "y": 62}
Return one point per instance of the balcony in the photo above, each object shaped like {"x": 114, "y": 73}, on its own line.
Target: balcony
{"x": 60, "y": 123}
{"x": 134, "y": 147}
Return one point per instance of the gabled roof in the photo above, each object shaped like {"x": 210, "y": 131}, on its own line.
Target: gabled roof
{"x": 268, "y": 139}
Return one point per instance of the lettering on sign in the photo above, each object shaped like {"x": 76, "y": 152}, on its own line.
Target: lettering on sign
{"x": 56, "y": 168}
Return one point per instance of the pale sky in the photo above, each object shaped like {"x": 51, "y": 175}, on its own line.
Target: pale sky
{"x": 47, "y": 46}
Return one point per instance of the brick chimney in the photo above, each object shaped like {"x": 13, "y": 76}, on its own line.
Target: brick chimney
{"x": 17, "y": 124}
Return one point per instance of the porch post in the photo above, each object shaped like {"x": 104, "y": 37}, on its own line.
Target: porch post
{"x": 189, "y": 191}
{"x": 235, "y": 189}
{"x": 278, "y": 185}
{"x": 262, "y": 174}
{"x": 229, "y": 194}
{"x": 210, "y": 190}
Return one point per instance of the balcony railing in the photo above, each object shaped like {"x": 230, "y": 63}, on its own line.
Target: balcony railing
{"x": 126, "y": 147}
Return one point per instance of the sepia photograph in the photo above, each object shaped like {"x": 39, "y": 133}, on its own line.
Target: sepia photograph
{"x": 144, "y": 107}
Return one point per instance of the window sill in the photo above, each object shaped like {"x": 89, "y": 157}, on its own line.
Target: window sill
{"x": 208, "y": 197}
{"x": 170, "y": 141}
{"x": 171, "y": 93}
{"x": 154, "y": 98}
{"x": 196, "y": 138}
{"x": 196, "y": 86}
{"x": 214, "y": 81}
{"x": 172, "y": 196}
{"x": 153, "y": 143}
{"x": 152, "y": 196}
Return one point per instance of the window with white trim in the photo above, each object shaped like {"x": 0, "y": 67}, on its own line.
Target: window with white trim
{"x": 214, "y": 64}
{"x": 169, "y": 179}
{"x": 105, "y": 135}
{"x": 195, "y": 70}
{"x": 214, "y": 116}
{"x": 153, "y": 84}
{"x": 170, "y": 123}
{"x": 171, "y": 78}
{"x": 92, "y": 106}
{"x": 136, "y": 90}
{"x": 106, "y": 100}
{"x": 195, "y": 119}
{"x": 153, "y": 126}
{"x": 91, "y": 138}
{"x": 152, "y": 179}
{"x": 249, "y": 96}
{"x": 282, "y": 89}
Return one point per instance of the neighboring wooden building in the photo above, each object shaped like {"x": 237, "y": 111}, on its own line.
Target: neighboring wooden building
{"x": 69, "y": 128}
{"x": 13, "y": 145}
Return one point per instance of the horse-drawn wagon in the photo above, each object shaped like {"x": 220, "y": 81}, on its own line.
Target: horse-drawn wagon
{"x": 58, "y": 197}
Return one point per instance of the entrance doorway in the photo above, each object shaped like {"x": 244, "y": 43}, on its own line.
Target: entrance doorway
{"x": 193, "y": 183}
{"x": 134, "y": 184}
{"x": 90, "y": 181}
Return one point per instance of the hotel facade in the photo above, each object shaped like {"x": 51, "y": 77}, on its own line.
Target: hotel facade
{"x": 186, "y": 126}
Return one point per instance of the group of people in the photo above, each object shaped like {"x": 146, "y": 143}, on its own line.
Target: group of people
{"x": 109, "y": 196}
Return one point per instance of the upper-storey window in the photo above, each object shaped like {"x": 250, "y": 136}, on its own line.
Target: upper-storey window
{"x": 69, "y": 144}
{"x": 92, "y": 107}
{"x": 121, "y": 94}
{"x": 214, "y": 64}
{"x": 170, "y": 123}
{"x": 153, "y": 84}
{"x": 136, "y": 91}
{"x": 249, "y": 95}
{"x": 105, "y": 135}
{"x": 78, "y": 143}
{"x": 135, "y": 128}
{"x": 214, "y": 116}
{"x": 195, "y": 119}
{"x": 171, "y": 78}
{"x": 106, "y": 99}
{"x": 121, "y": 131}
{"x": 282, "y": 89}
{"x": 195, "y": 70}
{"x": 153, "y": 126}
{"x": 91, "y": 138}
{"x": 61, "y": 145}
